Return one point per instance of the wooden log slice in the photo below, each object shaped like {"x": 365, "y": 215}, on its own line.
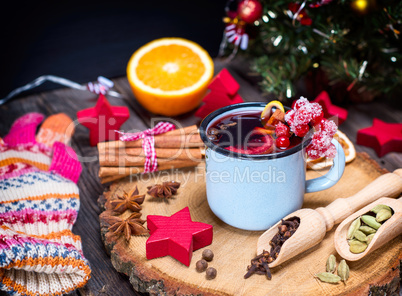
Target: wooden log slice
{"x": 234, "y": 248}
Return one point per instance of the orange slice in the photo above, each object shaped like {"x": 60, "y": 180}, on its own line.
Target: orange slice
{"x": 269, "y": 110}
{"x": 170, "y": 76}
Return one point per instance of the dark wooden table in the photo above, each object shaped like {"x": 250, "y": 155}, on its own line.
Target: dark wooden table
{"x": 105, "y": 280}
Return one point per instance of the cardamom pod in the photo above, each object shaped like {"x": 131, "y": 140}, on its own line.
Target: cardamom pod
{"x": 353, "y": 227}
{"x": 360, "y": 236}
{"x": 370, "y": 221}
{"x": 343, "y": 271}
{"x": 328, "y": 277}
{"x": 356, "y": 246}
{"x": 370, "y": 238}
{"x": 367, "y": 230}
{"x": 383, "y": 214}
{"x": 377, "y": 208}
{"x": 331, "y": 263}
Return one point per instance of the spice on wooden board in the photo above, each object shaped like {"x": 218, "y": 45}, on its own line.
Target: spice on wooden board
{"x": 207, "y": 255}
{"x": 164, "y": 190}
{"x": 363, "y": 229}
{"x": 133, "y": 225}
{"x": 201, "y": 265}
{"x": 259, "y": 264}
{"x": 131, "y": 200}
{"x": 210, "y": 273}
{"x": 329, "y": 276}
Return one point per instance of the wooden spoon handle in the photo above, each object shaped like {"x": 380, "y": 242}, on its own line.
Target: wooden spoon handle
{"x": 387, "y": 185}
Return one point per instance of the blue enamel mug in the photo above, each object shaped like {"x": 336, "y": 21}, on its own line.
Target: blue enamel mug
{"x": 253, "y": 192}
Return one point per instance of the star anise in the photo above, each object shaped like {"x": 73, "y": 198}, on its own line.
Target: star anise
{"x": 130, "y": 200}
{"x": 164, "y": 190}
{"x": 133, "y": 225}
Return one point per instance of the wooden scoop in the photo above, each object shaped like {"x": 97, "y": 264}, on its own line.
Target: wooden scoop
{"x": 315, "y": 223}
{"x": 388, "y": 230}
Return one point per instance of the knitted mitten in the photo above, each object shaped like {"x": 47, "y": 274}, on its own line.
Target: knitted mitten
{"x": 39, "y": 202}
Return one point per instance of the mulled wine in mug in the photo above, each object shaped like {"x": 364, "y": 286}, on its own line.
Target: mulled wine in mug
{"x": 252, "y": 179}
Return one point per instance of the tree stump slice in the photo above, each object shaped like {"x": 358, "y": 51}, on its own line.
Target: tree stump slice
{"x": 234, "y": 248}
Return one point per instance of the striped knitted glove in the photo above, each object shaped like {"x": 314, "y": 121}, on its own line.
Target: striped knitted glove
{"x": 39, "y": 202}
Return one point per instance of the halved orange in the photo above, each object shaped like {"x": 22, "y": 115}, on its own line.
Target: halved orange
{"x": 170, "y": 76}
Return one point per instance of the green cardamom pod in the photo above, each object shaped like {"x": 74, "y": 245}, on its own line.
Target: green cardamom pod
{"x": 343, "y": 271}
{"x": 367, "y": 230}
{"x": 370, "y": 221}
{"x": 360, "y": 236}
{"x": 383, "y": 214}
{"x": 353, "y": 227}
{"x": 328, "y": 277}
{"x": 356, "y": 246}
{"x": 377, "y": 208}
{"x": 331, "y": 263}
{"x": 370, "y": 238}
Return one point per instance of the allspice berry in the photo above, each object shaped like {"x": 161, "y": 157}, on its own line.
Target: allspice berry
{"x": 211, "y": 273}
{"x": 201, "y": 265}
{"x": 208, "y": 255}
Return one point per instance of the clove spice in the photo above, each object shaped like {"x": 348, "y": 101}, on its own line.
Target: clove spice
{"x": 259, "y": 264}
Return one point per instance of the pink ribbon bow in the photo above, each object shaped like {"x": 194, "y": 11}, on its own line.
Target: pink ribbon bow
{"x": 148, "y": 143}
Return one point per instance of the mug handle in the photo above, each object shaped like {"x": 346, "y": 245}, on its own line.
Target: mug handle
{"x": 333, "y": 175}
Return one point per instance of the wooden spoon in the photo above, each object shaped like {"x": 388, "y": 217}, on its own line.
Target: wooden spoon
{"x": 388, "y": 230}
{"x": 315, "y": 223}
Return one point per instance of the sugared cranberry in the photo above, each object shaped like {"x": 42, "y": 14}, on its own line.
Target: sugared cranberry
{"x": 290, "y": 117}
{"x": 331, "y": 151}
{"x": 303, "y": 115}
{"x": 320, "y": 140}
{"x": 282, "y": 142}
{"x": 314, "y": 153}
{"x": 316, "y": 113}
{"x": 300, "y": 102}
{"x": 282, "y": 130}
{"x": 328, "y": 126}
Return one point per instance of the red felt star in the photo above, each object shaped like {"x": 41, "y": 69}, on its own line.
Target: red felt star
{"x": 223, "y": 92}
{"x": 102, "y": 120}
{"x": 177, "y": 236}
{"x": 382, "y": 137}
{"x": 225, "y": 83}
{"x": 329, "y": 109}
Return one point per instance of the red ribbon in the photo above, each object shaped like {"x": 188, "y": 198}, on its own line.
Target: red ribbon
{"x": 148, "y": 143}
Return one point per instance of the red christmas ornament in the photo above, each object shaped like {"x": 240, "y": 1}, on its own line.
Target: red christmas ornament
{"x": 329, "y": 109}
{"x": 319, "y": 3}
{"x": 223, "y": 93}
{"x": 177, "y": 236}
{"x": 300, "y": 14}
{"x": 102, "y": 120}
{"x": 249, "y": 10}
{"x": 382, "y": 137}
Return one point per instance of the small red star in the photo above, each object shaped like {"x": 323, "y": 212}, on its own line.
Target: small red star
{"x": 382, "y": 137}
{"x": 329, "y": 109}
{"x": 224, "y": 83}
{"x": 177, "y": 236}
{"x": 223, "y": 92}
{"x": 102, "y": 120}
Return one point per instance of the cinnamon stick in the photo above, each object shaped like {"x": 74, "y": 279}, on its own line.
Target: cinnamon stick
{"x": 136, "y": 156}
{"x": 124, "y": 160}
{"x": 108, "y": 174}
{"x": 188, "y": 130}
{"x": 187, "y": 137}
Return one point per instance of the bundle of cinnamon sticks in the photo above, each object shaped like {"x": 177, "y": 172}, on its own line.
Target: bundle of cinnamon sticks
{"x": 174, "y": 149}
